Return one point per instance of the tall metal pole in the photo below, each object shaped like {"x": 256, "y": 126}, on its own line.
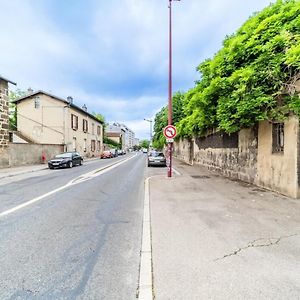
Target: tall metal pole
{"x": 151, "y": 137}
{"x": 170, "y": 145}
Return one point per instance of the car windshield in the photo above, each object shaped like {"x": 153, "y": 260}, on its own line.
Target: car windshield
{"x": 156, "y": 154}
{"x": 64, "y": 155}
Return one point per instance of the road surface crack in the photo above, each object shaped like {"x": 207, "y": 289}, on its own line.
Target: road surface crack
{"x": 261, "y": 242}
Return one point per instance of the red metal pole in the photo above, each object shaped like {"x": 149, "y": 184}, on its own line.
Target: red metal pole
{"x": 170, "y": 88}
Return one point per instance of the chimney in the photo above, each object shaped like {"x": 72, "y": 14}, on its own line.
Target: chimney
{"x": 70, "y": 99}
{"x": 30, "y": 90}
{"x": 84, "y": 107}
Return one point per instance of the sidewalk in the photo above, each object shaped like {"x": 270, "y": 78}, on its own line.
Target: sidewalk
{"x": 14, "y": 171}
{"x": 213, "y": 238}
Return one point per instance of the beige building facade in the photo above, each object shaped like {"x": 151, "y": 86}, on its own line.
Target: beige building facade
{"x": 47, "y": 119}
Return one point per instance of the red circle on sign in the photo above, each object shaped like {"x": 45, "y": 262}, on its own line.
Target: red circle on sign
{"x": 170, "y": 132}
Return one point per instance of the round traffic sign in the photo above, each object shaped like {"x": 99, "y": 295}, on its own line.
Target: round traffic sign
{"x": 170, "y": 132}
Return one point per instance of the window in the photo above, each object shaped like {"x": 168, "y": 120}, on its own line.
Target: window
{"x": 98, "y": 146}
{"x": 93, "y": 128}
{"x": 98, "y": 130}
{"x": 277, "y": 137}
{"x": 37, "y": 102}
{"x": 85, "y": 125}
{"x": 84, "y": 145}
{"x": 74, "y": 122}
{"x": 74, "y": 143}
{"x": 93, "y": 145}
{"x": 4, "y": 92}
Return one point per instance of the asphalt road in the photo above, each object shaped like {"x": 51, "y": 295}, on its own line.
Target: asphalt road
{"x": 82, "y": 242}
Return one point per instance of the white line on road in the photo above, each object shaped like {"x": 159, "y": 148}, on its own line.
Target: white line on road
{"x": 176, "y": 172}
{"x": 80, "y": 179}
{"x": 145, "y": 289}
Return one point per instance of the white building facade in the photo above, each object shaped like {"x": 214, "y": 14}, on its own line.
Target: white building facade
{"x": 128, "y": 135}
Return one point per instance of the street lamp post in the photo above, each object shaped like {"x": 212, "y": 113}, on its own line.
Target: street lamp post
{"x": 150, "y": 121}
{"x": 170, "y": 145}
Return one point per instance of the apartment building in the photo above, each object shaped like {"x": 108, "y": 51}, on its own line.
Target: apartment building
{"x": 47, "y": 119}
{"x": 128, "y": 134}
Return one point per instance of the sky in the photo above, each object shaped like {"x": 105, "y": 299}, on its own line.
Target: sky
{"x": 113, "y": 55}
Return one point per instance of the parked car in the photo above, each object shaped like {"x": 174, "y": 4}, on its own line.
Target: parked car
{"x": 66, "y": 159}
{"x": 114, "y": 152}
{"x": 121, "y": 152}
{"x": 106, "y": 154}
{"x": 145, "y": 150}
{"x": 156, "y": 159}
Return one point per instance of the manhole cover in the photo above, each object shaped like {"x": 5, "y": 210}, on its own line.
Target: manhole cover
{"x": 200, "y": 176}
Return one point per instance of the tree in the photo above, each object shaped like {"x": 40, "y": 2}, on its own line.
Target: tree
{"x": 145, "y": 143}
{"x": 111, "y": 143}
{"x": 161, "y": 119}
{"x": 13, "y": 108}
{"x": 248, "y": 80}
{"x": 101, "y": 119}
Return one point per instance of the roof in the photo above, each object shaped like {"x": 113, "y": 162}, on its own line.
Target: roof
{"x": 59, "y": 99}
{"x": 5, "y": 79}
{"x": 113, "y": 134}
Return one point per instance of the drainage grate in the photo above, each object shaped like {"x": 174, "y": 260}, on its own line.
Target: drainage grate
{"x": 200, "y": 176}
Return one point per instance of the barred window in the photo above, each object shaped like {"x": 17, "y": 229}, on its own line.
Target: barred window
{"x": 277, "y": 137}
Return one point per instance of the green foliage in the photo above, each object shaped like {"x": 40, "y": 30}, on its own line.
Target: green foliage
{"x": 161, "y": 119}
{"x": 13, "y": 108}
{"x": 99, "y": 117}
{"x": 240, "y": 85}
{"x": 111, "y": 143}
{"x": 144, "y": 144}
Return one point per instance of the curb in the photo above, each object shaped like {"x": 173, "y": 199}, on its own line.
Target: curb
{"x": 23, "y": 172}
{"x": 145, "y": 287}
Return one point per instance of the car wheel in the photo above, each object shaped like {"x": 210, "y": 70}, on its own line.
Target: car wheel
{"x": 80, "y": 163}
{"x": 51, "y": 168}
{"x": 70, "y": 164}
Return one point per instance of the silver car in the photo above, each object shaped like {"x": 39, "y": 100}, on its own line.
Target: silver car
{"x": 156, "y": 159}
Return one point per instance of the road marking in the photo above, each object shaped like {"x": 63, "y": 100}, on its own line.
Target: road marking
{"x": 80, "y": 179}
{"x": 176, "y": 172}
{"x": 145, "y": 288}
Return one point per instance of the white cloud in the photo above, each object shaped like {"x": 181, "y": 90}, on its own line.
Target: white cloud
{"x": 117, "y": 63}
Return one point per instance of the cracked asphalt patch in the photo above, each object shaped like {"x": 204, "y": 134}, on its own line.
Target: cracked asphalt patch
{"x": 261, "y": 242}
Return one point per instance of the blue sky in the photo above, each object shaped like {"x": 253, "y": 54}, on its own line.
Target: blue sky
{"x": 113, "y": 55}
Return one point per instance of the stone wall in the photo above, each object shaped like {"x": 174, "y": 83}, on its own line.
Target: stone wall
{"x": 4, "y": 136}
{"x": 29, "y": 154}
{"x": 249, "y": 156}
{"x": 232, "y": 155}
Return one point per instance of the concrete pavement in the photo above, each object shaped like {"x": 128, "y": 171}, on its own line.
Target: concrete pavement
{"x": 213, "y": 238}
